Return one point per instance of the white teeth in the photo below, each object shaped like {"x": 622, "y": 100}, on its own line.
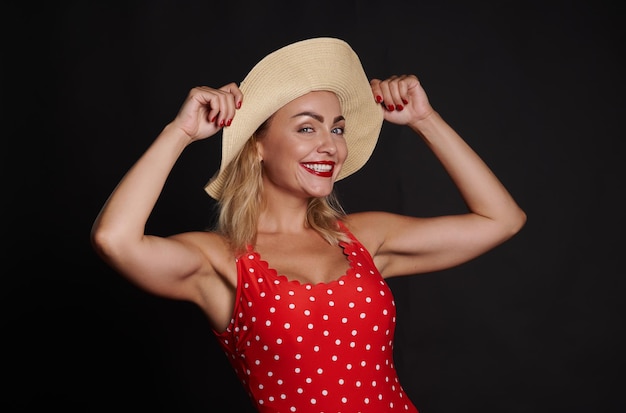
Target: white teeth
{"x": 319, "y": 167}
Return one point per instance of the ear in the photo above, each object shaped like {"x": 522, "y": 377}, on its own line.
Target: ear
{"x": 259, "y": 150}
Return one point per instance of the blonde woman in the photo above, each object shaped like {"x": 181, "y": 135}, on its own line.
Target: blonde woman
{"x": 294, "y": 288}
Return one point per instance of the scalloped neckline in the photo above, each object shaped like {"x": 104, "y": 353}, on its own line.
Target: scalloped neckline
{"x": 348, "y": 249}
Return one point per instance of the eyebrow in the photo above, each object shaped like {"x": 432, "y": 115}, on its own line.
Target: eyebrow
{"x": 317, "y": 117}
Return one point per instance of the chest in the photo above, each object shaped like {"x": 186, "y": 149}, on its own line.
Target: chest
{"x": 309, "y": 260}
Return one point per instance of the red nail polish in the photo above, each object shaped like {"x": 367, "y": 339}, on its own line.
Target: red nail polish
{"x": 390, "y": 107}
{"x": 221, "y": 123}
{"x": 399, "y": 107}
{"x": 213, "y": 119}
{"x": 379, "y": 98}
{"x": 228, "y": 122}
{"x": 405, "y": 101}
{"x": 239, "y": 105}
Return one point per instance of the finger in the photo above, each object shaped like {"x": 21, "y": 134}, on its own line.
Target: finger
{"x": 234, "y": 90}
{"x": 376, "y": 90}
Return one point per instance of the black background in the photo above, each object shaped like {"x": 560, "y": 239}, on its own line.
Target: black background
{"x": 537, "y": 88}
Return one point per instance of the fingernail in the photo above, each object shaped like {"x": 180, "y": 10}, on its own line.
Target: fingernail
{"x": 390, "y": 107}
{"x": 405, "y": 101}
{"x": 379, "y": 98}
{"x": 228, "y": 122}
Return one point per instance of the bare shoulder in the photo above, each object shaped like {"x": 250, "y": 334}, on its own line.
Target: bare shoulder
{"x": 369, "y": 227}
{"x": 370, "y": 221}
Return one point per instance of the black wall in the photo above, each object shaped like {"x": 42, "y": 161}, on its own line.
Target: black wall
{"x": 537, "y": 88}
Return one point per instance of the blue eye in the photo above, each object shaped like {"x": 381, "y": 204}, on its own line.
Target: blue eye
{"x": 306, "y": 129}
{"x": 338, "y": 131}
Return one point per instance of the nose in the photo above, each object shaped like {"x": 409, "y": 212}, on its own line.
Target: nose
{"x": 327, "y": 143}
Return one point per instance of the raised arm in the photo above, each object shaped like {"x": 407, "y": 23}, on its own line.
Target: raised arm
{"x": 163, "y": 266}
{"x": 408, "y": 245}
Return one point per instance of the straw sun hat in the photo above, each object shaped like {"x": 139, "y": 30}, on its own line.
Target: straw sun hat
{"x": 309, "y": 65}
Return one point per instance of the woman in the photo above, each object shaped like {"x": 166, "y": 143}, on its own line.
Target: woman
{"x": 292, "y": 285}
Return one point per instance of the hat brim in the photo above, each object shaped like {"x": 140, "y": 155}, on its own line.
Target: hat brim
{"x": 317, "y": 64}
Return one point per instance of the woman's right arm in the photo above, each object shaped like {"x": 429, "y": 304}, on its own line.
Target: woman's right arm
{"x": 160, "y": 265}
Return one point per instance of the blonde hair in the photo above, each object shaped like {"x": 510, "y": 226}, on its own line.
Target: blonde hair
{"x": 242, "y": 199}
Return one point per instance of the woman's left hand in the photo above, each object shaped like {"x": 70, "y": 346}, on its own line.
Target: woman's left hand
{"x": 403, "y": 98}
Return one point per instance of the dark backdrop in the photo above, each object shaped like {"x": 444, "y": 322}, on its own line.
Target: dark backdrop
{"x": 537, "y": 88}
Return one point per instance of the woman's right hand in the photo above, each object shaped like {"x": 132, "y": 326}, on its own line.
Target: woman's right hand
{"x": 207, "y": 110}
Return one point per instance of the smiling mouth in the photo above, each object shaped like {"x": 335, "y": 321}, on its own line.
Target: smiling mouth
{"x": 324, "y": 169}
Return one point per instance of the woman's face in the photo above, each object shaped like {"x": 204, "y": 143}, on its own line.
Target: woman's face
{"x": 303, "y": 148}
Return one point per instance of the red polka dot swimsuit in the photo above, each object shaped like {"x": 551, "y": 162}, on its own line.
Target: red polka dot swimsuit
{"x": 324, "y": 347}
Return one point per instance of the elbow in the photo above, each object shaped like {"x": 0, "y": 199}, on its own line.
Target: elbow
{"x": 517, "y": 221}
{"x": 100, "y": 241}
{"x": 104, "y": 242}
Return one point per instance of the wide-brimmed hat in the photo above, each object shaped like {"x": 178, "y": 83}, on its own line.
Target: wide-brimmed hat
{"x": 316, "y": 64}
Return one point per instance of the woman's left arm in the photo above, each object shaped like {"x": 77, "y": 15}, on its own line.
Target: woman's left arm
{"x": 409, "y": 245}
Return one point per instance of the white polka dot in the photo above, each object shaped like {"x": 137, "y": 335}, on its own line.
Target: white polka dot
{"x": 287, "y": 326}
